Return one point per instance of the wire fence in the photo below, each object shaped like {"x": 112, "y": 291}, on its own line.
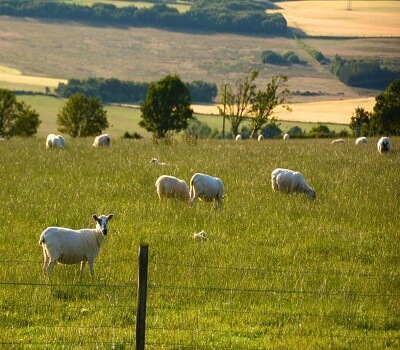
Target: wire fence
{"x": 202, "y": 307}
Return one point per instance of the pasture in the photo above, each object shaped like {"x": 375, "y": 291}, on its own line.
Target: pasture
{"x": 277, "y": 271}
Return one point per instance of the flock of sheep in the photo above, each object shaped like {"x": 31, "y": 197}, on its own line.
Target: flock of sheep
{"x": 68, "y": 246}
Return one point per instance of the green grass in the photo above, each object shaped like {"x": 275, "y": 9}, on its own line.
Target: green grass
{"x": 276, "y": 271}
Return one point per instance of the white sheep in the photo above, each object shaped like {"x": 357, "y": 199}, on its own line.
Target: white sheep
{"x": 67, "y": 246}
{"x": 260, "y": 137}
{"x": 238, "y": 137}
{"x": 361, "y": 140}
{"x": 207, "y": 188}
{"x": 172, "y": 187}
{"x": 384, "y": 145}
{"x": 55, "y": 141}
{"x": 289, "y": 181}
{"x": 102, "y": 141}
{"x": 200, "y": 236}
{"x": 338, "y": 141}
{"x": 155, "y": 162}
{"x": 286, "y": 137}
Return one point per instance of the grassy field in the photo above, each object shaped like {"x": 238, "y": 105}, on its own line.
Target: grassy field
{"x": 276, "y": 271}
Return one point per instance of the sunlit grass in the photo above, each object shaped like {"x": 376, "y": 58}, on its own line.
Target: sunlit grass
{"x": 276, "y": 271}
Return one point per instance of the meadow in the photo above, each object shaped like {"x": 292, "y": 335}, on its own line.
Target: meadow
{"x": 277, "y": 271}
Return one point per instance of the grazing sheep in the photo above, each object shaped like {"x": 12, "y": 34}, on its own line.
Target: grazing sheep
{"x": 207, "y": 188}
{"x": 361, "y": 140}
{"x": 384, "y": 145}
{"x": 155, "y": 162}
{"x": 338, "y": 141}
{"x": 172, "y": 187}
{"x": 201, "y": 236}
{"x": 102, "y": 141}
{"x": 55, "y": 141}
{"x": 238, "y": 137}
{"x": 290, "y": 181}
{"x": 286, "y": 137}
{"x": 260, "y": 137}
{"x": 68, "y": 246}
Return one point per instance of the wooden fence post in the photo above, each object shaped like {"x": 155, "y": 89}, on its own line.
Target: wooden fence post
{"x": 141, "y": 296}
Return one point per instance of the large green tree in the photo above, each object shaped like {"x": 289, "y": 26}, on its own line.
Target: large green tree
{"x": 359, "y": 121}
{"x": 385, "y": 118}
{"x": 166, "y": 107}
{"x": 82, "y": 116}
{"x": 16, "y": 118}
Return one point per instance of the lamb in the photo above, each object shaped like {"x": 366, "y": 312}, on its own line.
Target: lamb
{"x": 172, "y": 187}
{"x": 55, "y": 141}
{"x": 289, "y": 181}
{"x": 286, "y": 137}
{"x": 201, "y": 236}
{"x": 102, "y": 141}
{"x": 207, "y": 188}
{"x": 338, "y": 141}
{"x": 361, "y": 140}
{"x": 67, "y": 246}
{"x": 384, "y": 145}
{"x": 238, "y": 137}
{"x": 155, "y": 162}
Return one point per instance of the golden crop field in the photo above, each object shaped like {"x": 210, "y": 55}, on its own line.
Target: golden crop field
{"x": 343, "y": 18}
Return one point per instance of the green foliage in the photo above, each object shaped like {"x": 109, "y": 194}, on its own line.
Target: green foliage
{"x": 227, "y": 16}
{"x": 315, "y": 54}
{"x": 362, "y": 73}
{"x": 16, "y": 118}
{"x": 271, "y": 57}
{"x": 167, "y": 107}
{"x": 291, "y": 57}
{"x": 82, "y": 116}
{"x": 320, "y": 131}
{"x": 277, "y": 271}
{"x": 198, "y": 129}
{"x": 359, "y": 121}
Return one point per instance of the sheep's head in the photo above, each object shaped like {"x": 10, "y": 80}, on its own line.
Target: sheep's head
{"x": 311, "y": 194}
{"x": 102, "y": 222}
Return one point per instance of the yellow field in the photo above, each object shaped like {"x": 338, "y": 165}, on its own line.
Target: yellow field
{"x": 336, "y": 18}
{"x": 338, "y": 112}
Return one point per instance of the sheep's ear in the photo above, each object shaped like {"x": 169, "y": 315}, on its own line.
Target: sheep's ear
{"x": 95, "y": 217}
{"x": 109, "y": 217}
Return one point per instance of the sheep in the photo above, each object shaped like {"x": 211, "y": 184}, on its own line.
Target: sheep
{"x": 260, "y": 137}
{"x": 67, "y": 246}
{"x": 102, "y": 141}
{"x": 289, "y": 181}
{"x": 384, "y": 145}
{"x": 207, "y": 188}
{"x": 201, "y": 236}
{"x": 338, "y": 141}
{"x": 286, "y": 137}
{"x": 155, "y": 162}
{"x": 238, "y": 137}
{"x": 361, "y": 140}
{"x": 172, "y": 187}
{"x": 55, "y": 141}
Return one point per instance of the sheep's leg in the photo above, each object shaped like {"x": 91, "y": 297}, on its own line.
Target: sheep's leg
{"x": 46, "y": 260}
{"x": 51, "y": 265}
{"x": 83, "y": 264}
{"x": 91, "y": 266}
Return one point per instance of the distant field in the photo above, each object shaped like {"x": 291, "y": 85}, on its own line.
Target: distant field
{"x": 337, "y": 18}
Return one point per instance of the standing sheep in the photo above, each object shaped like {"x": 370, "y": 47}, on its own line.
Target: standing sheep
{"x": 68, "y": 246}
{"x": 361, "y": 140}
{"x": 338, "y": 141}
{"x": 55, "y": 141}
{"x": 172, "y": 187}
{"x": 384, "y": 145}
{"x": 260, "y": 137}
{"x": 207, "y": 188}
{"x": 238, "y": 137}
{"x": 102, "y": 141}
{"x": 290, "y": 181}
{"x": 286, "y": 137}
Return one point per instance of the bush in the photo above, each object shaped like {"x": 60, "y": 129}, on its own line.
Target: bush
{"x": 291, "y": 57}
{"x": 272, "y": 57}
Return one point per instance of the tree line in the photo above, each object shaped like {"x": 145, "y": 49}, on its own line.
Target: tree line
{"x": 118, "y": 91}
{"x": 222, "y": 16}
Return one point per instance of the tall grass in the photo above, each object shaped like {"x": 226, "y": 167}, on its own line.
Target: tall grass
{"x": 277, "y": 271}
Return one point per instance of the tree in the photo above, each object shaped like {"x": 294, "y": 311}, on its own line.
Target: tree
{"x": 385, "y": 118}
{"x": 238, "y": 104}
{"x": 359, "y": 120}
{"x": 16, "y": 118}
{"x": 166, "y": 107}
{"x": 264, "y": 102}
{"x": 82, "y": 116}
